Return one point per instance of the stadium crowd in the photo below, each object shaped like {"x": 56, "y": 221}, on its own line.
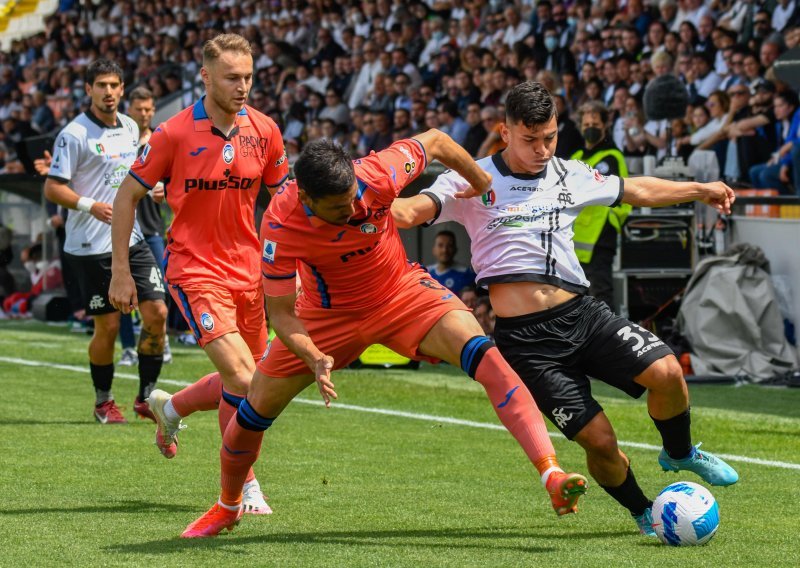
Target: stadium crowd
{"x": 367, "y": 73}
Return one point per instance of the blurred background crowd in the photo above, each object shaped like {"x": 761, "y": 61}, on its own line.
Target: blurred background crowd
{"x": 368, "y": 72}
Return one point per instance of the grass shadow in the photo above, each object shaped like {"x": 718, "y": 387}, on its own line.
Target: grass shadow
{"x": 126, "y": 507}
{"x": 23, "y": 422}
{"x": 437, "y": 538}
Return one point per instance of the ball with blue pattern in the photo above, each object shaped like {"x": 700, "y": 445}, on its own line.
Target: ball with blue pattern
{"x": 685, "y": 514}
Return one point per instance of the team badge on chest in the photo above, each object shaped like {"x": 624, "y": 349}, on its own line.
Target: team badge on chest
{"x": 227, "y": 153}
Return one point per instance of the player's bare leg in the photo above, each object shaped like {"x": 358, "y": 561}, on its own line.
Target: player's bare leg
{"x": 668, "y": 405}
{"x": 241, "y": 446}
{"x": 458, "y": 339}
{"x": 611, "y": 469}
{"x": 101, "y": 365}
{"x": 150, "y": 352}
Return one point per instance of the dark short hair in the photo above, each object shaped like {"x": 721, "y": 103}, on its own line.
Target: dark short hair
{"x": 103, "y": 67}
{"x": 789, "y": 97}
{"x": 324, "y": 168}
{"x": 140, "y": 94}
{"x": 593, "y": 107}
{"x": 529, "y": 103}
{"x": 446, "y": 233}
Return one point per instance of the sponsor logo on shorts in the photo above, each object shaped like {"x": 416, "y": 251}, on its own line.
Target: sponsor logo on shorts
{"x": 268, "y": 253}
{"x": 227, "y": 153}
{"x": 643, "y": 340}
{"x": 561, "y": 417}
{"x": 207, "y": 321}
{"x": 97, "y": 302}
{"x": 369, "y": 228}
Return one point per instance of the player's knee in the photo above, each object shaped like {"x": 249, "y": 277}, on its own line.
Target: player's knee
{"x": 155, "y": 314}
{"x": 599, "y": 445}
{"x": 666, "y": 376}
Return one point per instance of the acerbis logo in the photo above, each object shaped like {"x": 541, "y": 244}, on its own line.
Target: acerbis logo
{"x": 227, "y": 153}
{"x": 207, "y": 321}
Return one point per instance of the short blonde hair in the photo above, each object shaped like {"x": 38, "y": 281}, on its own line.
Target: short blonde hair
{"x": 235, "y": 43}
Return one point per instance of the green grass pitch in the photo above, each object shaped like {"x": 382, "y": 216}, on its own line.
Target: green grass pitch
{"x": 351, "y": 486}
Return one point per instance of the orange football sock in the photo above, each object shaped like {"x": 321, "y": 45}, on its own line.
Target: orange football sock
{"x": 227, "y": 409}
{"x": 205, "y": 394}
{"x": 241, "y": 445}
{"x": 513, "y": 404}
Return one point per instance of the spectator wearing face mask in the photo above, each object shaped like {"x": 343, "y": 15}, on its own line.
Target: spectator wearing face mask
{"x": 559, "y": 59}
{"x": 596, "y": 226}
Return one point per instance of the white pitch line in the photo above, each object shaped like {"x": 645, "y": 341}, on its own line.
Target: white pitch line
{"x": 400, "y": 413}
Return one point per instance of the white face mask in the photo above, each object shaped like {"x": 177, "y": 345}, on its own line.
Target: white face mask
{"x": 30, "y": 266}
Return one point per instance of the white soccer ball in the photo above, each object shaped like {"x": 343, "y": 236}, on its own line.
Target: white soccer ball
{"x": 685, "y": 514}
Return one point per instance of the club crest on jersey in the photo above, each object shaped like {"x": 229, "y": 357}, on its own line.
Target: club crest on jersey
{"x": 268, "y": 253}
{"x": 227, "y": 153}
{"x": 409, "y": 167}
{"x": 489, "y": 198}
{"x": 369, "y": 228}
{"x": 207, "y": 321}
{"x": 100, "y": 149}
{"x": 145, "y": 152}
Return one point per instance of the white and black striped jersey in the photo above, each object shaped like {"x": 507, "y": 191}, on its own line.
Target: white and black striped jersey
{"x": 521, "y": 230}
{"x": 93, "y": 159}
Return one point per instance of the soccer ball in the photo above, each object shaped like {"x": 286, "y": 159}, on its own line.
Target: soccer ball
{"x": 685, "y": 514}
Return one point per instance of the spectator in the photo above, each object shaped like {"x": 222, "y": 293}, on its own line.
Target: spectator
{"x": 446, "y": 272}
{"x": 451, "y": 123}
{"x": 402, "y": 125}
{"x": 778, "y": 171}
{"x": 334, "y": 108}
{"x": 569, "y": 137}
{"x": 382, "y": 137}
{"x": 485, "y": 315}
{"x": 477, "y": 132}
{"x": 45, "y": 275}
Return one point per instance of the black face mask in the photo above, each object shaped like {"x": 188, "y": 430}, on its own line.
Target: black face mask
{"x": 592, "y": 135}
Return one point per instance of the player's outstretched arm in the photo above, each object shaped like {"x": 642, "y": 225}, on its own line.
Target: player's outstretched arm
{"x": 412, "y": 211}
{"x": 293, "y": 333}
{"x": 439, "y": 146}
{"x": 122, "y": 292}
{"x": 654, "y": 192}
